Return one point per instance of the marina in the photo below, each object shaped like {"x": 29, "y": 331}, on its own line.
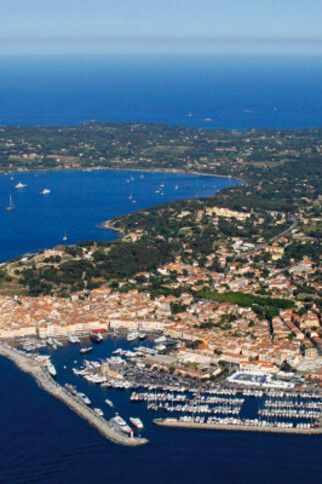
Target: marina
{"x": 114, "y": 368}
{"x": 78, "y": 403}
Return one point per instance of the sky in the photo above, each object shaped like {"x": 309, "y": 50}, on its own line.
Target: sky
{"x": 167, "y": 26}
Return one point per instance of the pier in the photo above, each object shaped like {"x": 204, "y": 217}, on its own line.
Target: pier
{"x": 173, "y": 422}
{"x": 47, "y": 383}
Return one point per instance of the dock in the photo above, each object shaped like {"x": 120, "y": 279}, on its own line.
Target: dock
{"x": 239, "y": 428}
{"x": 47, "y": 383}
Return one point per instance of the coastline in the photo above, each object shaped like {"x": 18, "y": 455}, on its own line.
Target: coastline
{"x": 143, "y": 170}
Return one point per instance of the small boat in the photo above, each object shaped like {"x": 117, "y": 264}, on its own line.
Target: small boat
{"x": 136, "y": 422}
{"x": 83, "y": 398}
{"x": 73, "y": 339}
{"x": 45, "y": 191}
{"x": 119, "y": 424}
{"x": 20, "y": 185}
{"x": 86, "y": 350}
{"x": 132, "y": 336}
{"x": 65, "y": 237}
{"x": 11, "y": 205}
{"x": 71, "y": 388}
{"x": 96, "y": 337}
{"x": 99, "y": 412}
{"x": 176, "y": 187}
{"x": 51, "y": 369}
{"x": 109, "y": 402}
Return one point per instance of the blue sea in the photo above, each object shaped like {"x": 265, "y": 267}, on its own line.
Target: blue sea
{"x": 227, "y": 91}
{"x": 41, "y": 440}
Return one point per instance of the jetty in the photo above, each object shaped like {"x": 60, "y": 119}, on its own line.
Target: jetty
{"x": 46, "y": 382}
{"x": 173, "y": 422}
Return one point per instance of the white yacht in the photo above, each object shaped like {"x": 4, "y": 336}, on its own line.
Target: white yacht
{"x": 99, "y": 412}
{"x": 20, "y": 185}
{"x": 73, "y": 339}
{"x": 109, "y": 402}
{"x": 83, "y": 398}
{"x": 160, "y": 339}
{"x": 45, "y": 191}
{"x": 51, "y": 369}
{"x": 119, "y": 424}
{"x": 132, "y": 336}
{"x": 136, "y": 422}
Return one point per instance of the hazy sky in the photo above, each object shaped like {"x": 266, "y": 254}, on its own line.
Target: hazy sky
{"x": 98, "y": 26}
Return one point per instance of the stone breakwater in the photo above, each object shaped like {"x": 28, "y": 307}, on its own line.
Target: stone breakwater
{"x": 243, "y": 428}
{"x": 47, "y": 383}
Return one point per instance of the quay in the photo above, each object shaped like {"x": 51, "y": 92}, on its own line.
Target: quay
{"x": 172, "y": 422}
{"x": 47, "y": 383}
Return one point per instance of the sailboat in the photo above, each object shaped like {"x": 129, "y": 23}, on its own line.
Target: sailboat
{"x": 11, "y": 205}
{"x": 65, "y": 236}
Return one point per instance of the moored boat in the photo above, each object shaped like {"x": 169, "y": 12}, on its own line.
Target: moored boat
{"x": 20, "y": 185}
{"x": 119, "y": 424}
{"x": 73, "y": 339}
{"x": 96, "y": 337}
{"x": 83, "y": 398}
{"x": 99, "y": 412}
{"x": 86, "y": 350}
{"x": 136, "y": 422}
{"x": 132, "y": 336}
{"x": 11, "y": 205}
{"x": 51, "y": 369}
{"x": 109, "y": 402}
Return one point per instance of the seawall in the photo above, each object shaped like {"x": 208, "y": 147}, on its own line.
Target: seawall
{"x": 243, "y": 428}
{"x": 47, "y": 383}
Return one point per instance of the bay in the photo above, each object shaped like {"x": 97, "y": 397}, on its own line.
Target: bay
{"x": 79, "y": 201}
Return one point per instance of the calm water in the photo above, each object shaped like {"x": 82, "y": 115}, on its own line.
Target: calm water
{"x": 79, "y": 201}
{"x": 233, "y": 91}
